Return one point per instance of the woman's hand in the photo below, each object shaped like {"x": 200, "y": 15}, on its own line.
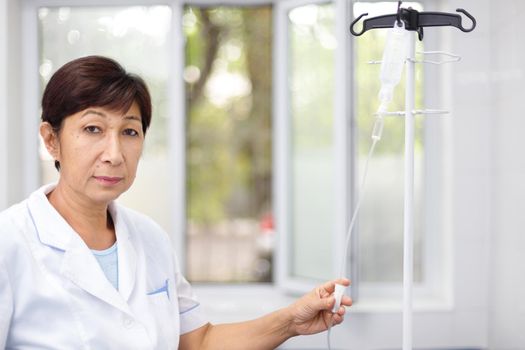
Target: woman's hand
{"x": 308, "y": 315}
{"x": 312, "y": 313}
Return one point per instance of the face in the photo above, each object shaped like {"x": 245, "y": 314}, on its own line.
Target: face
{"x": 98, "y": 151}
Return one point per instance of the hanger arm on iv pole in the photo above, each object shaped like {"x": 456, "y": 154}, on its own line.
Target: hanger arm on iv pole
{"x": 414, "y": 20}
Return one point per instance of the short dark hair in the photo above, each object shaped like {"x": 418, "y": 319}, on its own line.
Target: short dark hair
{"x": 93, "y": 81}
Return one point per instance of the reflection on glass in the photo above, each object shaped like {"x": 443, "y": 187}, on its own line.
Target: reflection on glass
{"x": 380, "y": 250}
{"x": 228, "y": 87}
{"x": 311, "y": 44}
{"x": 137, "y": 38}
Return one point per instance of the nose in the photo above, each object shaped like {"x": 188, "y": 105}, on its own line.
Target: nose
{"x": 112, "y": 153}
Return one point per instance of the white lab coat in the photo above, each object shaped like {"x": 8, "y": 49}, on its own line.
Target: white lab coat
{"x": 54, "y": 295}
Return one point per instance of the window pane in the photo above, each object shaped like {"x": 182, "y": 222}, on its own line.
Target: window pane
{"x": 311, "y": 44}
{"x": 381, "y": 217}
{"x": 228, "y": 88}
{"x": 137, "y": 38}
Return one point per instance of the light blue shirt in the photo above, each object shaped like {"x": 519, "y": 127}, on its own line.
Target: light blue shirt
{"x": 108, "y": 261}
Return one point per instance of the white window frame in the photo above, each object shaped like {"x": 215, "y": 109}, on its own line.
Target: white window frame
{"x": 282, "y": 139}
{"x": 370, "y": 324}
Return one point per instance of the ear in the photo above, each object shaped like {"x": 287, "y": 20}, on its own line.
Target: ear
{"x": 51, "y": 141}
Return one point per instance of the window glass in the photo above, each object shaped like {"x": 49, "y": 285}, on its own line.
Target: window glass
{"x": 137, "y": 37}
{"x": 380, "y": 229}
{"x": 311, "y": 77}
{"x": 230, "y": 235}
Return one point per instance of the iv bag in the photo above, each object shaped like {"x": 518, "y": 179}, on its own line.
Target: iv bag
{"x": 394, "y": 56}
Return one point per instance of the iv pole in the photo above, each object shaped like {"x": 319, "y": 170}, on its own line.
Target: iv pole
{"x": 408, "y": 229}
{"x": 414, "y": 21}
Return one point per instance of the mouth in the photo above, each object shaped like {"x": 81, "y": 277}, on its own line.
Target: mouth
{"x": 108, "y": 180}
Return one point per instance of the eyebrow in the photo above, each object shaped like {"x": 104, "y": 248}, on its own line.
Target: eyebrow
{"x": 133, "y": 117}
{"x": 92, "y": 111}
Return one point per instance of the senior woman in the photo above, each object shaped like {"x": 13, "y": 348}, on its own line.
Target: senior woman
{"x": 79, "y": 271}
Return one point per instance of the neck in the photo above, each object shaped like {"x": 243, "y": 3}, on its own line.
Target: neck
{"x": 90, "y": 220}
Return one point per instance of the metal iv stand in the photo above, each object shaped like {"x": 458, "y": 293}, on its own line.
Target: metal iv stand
{"x": 413, "y": 21}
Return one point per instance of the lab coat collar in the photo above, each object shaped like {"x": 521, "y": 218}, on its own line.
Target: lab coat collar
{"x": 79, "y": 264}
{"x": 52, "y": 228}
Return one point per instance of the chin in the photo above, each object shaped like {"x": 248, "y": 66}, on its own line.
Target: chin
{"x": 107, "y": 195}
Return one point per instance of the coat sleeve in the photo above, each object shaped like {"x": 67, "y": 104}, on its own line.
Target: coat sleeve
{"x": 191, "y": 314}
{"x": 6, "y": 305}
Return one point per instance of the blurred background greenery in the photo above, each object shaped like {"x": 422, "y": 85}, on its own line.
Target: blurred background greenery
{"x": 228, "y": 75}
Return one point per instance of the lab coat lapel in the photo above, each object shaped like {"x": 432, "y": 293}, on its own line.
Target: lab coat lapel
{"x": 81, "y": 267}
{"x": 78, "y": 263}
{"x": 127, "y": 255}
{"x": 127, "y": 265}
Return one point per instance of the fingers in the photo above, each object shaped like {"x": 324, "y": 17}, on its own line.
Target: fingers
{"x": 321, "y": 292}
{"x": 344, "y": 281}
{"x": 337, "y": 318}
{"x": 325, "y": 292}
{"x": 330, "y": 286}
{"x": 328, "y": 303}
{"x": 324, "y": 296}
{"x": 321, "y": 302}
{"x": 346, "y": 300}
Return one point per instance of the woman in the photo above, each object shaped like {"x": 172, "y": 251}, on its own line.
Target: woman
{"x": 78, "y": 271}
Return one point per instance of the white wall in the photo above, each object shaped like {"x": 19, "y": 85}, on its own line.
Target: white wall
{"x": 11, "y": 142}
{"x": 506, "y": 78}
{"x": 489, "y": 124}
{"x": 470, "y": 129}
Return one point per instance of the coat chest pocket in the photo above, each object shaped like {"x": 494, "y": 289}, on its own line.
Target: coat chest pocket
{"x": 162, "y": 305}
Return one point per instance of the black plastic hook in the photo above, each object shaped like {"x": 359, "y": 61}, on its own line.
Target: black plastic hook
{"x": 354, "y": 22}
{"x": 398, "y": 19}
{"x": 466, "y": 30}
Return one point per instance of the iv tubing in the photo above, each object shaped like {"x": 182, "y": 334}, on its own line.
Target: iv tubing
{"x": 376, "y": 136}
{"x": 342, "y": 271}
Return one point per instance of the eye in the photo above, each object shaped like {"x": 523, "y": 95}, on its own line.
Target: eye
{"x": 131, "y": 132}
{"x": 92, "y": 129}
